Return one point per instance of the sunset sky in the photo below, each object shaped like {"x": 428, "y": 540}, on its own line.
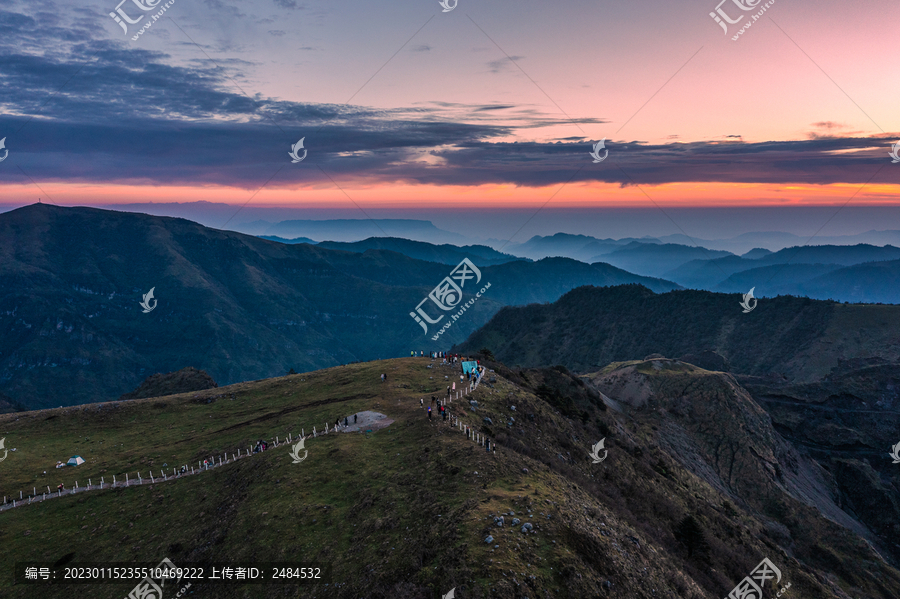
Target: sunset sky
{"x": 489, "y": 106}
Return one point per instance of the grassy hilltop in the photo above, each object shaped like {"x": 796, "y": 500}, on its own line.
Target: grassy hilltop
{"x": 403, "y": 512}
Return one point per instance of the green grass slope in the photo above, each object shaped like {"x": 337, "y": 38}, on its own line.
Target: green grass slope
{"x": 402, "y": 512}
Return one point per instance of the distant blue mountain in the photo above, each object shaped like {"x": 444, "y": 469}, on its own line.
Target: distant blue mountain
{"x": 283, "y": 240}
{"x": 358, "y": 229}
{"x": 481, "y": 255}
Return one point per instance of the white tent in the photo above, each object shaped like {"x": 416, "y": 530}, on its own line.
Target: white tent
{"x": 75, "y": 460}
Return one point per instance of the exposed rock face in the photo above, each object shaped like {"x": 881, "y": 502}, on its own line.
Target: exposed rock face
{"x": 712, "y": 425}
{"x": 183, "y": 381}
{"x": 848, "y": 423}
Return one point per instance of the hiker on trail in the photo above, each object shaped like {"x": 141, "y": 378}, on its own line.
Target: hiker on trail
{"x": 60, "y": 488}
{"x": 433, "y": 400}
{"x": 429, "y": 412}
{"x": 354, "y": 419}
{"x": 421, "y": 402}
{"x": 448, "y": 390}
{"x": 183, "y": 470}
{"x": 337, "y": 422}
{"x": 345, "y": 421}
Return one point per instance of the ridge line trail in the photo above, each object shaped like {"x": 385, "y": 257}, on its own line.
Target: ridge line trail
{"x": 17, "y": 503}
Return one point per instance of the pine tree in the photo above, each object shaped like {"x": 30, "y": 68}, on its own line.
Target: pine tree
{"x": 691, "y": 535}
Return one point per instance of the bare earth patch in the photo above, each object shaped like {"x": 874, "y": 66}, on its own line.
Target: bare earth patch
{"x": 366, "y": 421}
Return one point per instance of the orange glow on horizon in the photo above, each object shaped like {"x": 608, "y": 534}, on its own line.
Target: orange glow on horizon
{"x": 573, "y": 195}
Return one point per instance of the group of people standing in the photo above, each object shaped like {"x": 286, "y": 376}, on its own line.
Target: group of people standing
{"x": 447, "y": 357}
{"x": 439, "y": 404}
{"x": 337, "y": 421}
{"x": 434, "y": 355}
